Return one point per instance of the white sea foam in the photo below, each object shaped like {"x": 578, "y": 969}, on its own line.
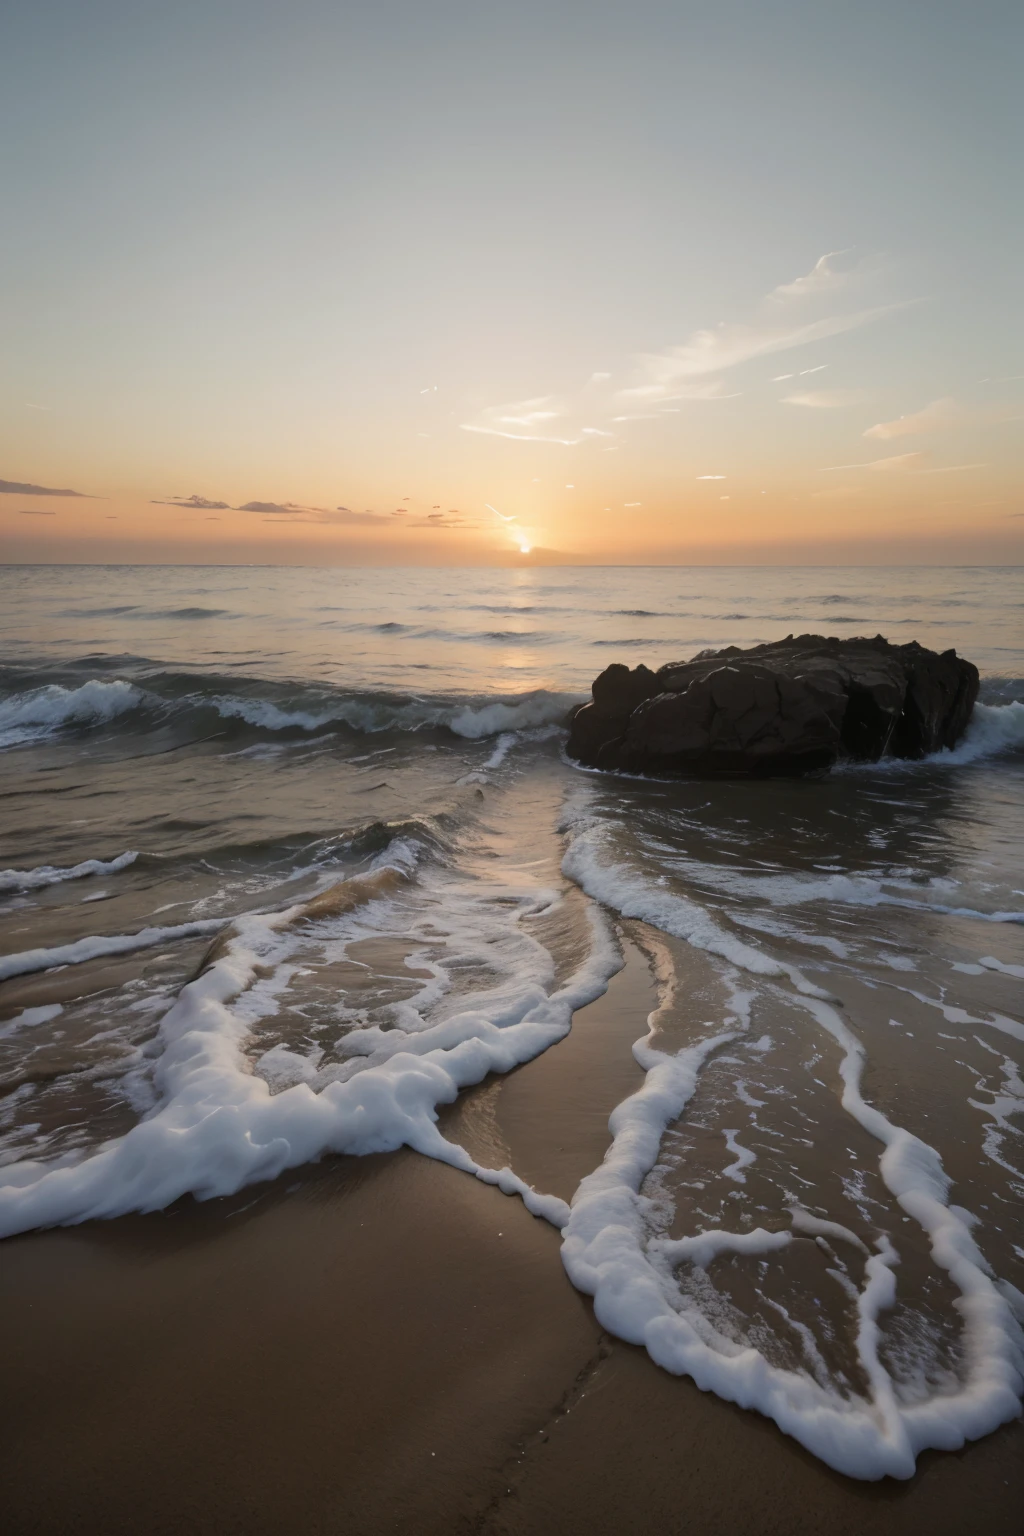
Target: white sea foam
{"x": 510, "y": 739}
{"x": 29, "y": 1017}
{"x": 52, "y": 874}
{"x": 609, "y": 1251}
{"x": 990, "y": 963}
{"x": 1004, "y": 1112}
{"x": 39, "y": 713}
{"x": 955, "y": 1015}
{"x": 816, "y": 1226}
{"x": 502, "y": 747}
{"x": 743, "y": 1155}
{"x": 595, "y": 869}
{"x": 794, "y": 890}
{"x": 217, "y": 1125}
{"x": 706, "y": 1246}
{"x": 97, "y": 946}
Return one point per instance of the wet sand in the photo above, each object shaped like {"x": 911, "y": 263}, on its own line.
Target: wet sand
{"x": 387, "y": 1345}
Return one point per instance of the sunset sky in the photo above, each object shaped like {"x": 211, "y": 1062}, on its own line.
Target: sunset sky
{"x": 443, "y": 282}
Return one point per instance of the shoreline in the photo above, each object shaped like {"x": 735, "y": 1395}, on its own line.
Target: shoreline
{"x": 384, "y": 1344}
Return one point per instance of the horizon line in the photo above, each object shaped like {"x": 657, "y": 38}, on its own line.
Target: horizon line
{"x": 590, "y": 565}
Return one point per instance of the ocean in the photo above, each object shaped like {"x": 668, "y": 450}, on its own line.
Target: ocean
{"x": 292, "y": 861}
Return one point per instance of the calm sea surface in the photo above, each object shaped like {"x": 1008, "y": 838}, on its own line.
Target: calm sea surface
{"x": 290, "y": 857}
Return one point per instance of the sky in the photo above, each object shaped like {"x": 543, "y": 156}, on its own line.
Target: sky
{"x": 334, "y": 282}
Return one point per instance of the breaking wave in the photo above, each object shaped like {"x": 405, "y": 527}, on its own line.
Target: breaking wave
{"x": 994, "y": 729}
{"x": 42, "y": 712}
{"x": 39, "y": 713}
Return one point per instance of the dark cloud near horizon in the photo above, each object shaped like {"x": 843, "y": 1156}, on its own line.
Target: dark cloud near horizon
{"x": 35, "y": 512}
{"x": 20, "y": 488}
{"x": 198, "y": 503}
{"x": 273, "y": 506}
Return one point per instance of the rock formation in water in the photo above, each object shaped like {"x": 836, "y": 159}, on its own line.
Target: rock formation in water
{"x": 795, "y": 706}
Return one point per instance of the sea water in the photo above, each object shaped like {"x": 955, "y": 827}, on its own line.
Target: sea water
{"x": 291, "y": 858}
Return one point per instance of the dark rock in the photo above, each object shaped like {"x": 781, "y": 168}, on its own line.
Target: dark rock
{"x": 617, "y": 692}
{"x": 789, "y": 708}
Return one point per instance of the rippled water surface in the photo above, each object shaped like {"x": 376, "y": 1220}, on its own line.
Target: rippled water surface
{"x": 289, "y": 858}
{"x": 486, "y": 630}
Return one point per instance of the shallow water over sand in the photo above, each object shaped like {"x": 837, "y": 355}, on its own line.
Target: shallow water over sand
{"x": 811, "y": 1202}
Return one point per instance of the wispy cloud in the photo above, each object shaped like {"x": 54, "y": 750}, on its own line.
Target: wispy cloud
{"x": 568, "y": 421}
{"x": 36, "y": 512}
{"x": 21, "y": 488}
{"x": 931, "y": 418}
{"x": 828, "y": 275}
{"x": 787, "y": 318}
{"x": 943, "y": 415}
{"x": 725, "y": 347}
{"x": 530, "y": 421}
{"x": 826, "y": 399}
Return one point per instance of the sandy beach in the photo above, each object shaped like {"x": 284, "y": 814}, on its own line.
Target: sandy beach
{"x": 383, "y": 1344}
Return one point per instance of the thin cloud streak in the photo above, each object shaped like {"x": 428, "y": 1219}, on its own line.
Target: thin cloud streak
{"x": 898, "y": 461}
